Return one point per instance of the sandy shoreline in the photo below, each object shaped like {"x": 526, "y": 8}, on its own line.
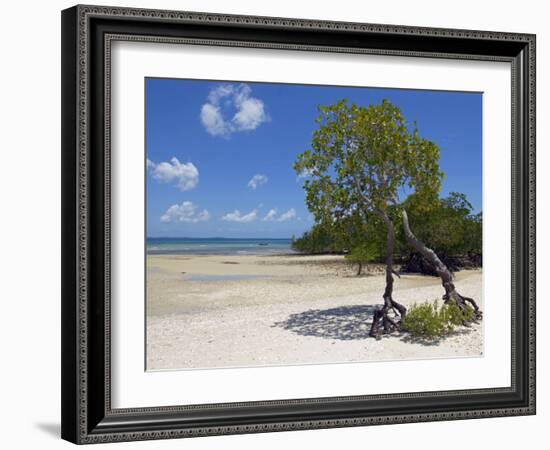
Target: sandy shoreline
{"x": 244, "y": 310}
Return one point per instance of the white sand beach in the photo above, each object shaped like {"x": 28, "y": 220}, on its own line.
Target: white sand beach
{"x": 243, "y": 310}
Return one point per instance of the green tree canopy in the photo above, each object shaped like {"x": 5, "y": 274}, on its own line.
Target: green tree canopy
{"x": 362, "y": 158}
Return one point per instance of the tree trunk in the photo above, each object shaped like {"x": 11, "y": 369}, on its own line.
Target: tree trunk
{"x": 451, "y": 294}
{"x": 381, "y": 316}
{"x": 359, "y": 268}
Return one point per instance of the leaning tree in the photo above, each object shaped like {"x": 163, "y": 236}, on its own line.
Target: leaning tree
{"x": 360, "y": 159}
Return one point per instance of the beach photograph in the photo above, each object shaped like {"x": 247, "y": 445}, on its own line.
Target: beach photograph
{"x": 303, "y": 224}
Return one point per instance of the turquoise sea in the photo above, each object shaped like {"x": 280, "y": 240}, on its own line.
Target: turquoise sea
{"x": 217, "y": 246}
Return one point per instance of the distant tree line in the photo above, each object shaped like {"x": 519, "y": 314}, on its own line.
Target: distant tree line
{"x": 449, "y": 224}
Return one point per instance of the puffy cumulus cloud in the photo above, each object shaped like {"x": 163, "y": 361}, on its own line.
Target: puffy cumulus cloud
{"x": 216, "y": 94}
{"x": 186, "y": 176}
{"x": 213, "y": 121}
{"x": 236, "y": 216}
{"x": 257, "y": 180}
{"x": 248, "y": 112}
{"x": 289, "y": 215}
{"x": 187, "y": 212}
{"x": 270, "y": 216}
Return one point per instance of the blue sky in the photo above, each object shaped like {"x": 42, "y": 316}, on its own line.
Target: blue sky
{"x": 220, "y": 154}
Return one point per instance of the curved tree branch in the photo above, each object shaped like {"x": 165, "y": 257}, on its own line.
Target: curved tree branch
{"x": 451, "y": 294}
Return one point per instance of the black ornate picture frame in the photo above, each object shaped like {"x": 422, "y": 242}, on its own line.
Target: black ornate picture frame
{"x": 87, "y": 34}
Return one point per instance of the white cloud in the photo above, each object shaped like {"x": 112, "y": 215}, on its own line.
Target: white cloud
{"x": 270, "y": 216}
{"x": 257, "y": 180}
{"x": 224, "y": 90}
{"x": 187, "y": 212}
{"x": 249, "y": 112}
{"x": 236, "y": 216}
{"x": 186, "y": 176}
{"x": 289, "y": 215}
{"x": 213, "y": 121}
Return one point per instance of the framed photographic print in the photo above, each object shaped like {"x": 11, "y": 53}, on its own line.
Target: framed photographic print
{"x": 280, "y": 224}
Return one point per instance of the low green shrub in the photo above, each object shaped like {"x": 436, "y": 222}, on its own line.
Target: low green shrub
{"x": 429, "y": 321}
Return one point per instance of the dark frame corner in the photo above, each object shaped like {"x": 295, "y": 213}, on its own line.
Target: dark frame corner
{"x": 87, "y": 416}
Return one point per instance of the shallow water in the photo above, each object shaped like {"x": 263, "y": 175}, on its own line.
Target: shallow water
{"x": 217, "y": 246}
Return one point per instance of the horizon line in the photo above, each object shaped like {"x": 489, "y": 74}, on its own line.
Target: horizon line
{"x": 214, "y": 237}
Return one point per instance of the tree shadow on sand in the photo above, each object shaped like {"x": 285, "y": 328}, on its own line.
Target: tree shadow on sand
{"x": 348, "y": 323}
{"x": 343, "y": 323}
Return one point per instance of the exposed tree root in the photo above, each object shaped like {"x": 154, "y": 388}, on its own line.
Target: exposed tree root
{"x": 387, "y": 319}
{"x": 452, "y": 295}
